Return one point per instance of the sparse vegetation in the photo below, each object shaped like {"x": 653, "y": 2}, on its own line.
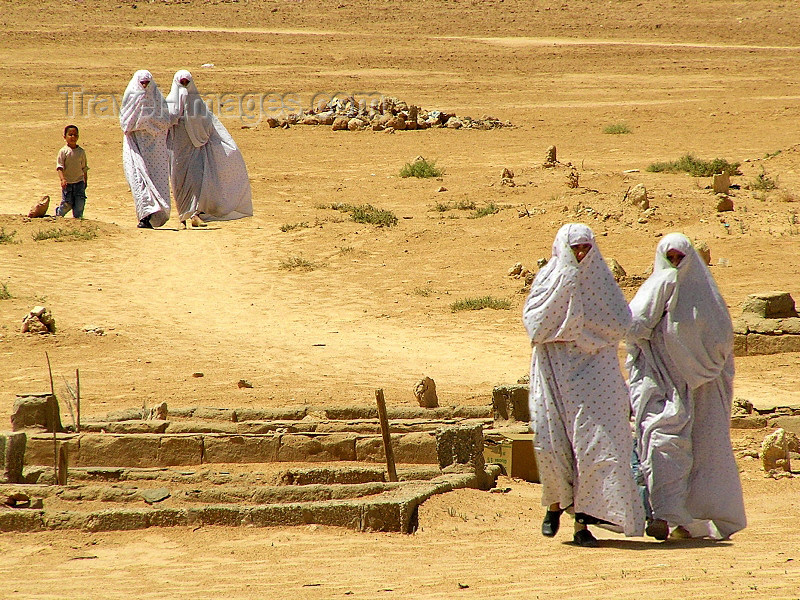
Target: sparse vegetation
{"x": 764, "y": 182}
{"x": 489, "y": 209}
{"x": 293, "y": 226}
{"x": 696, "y": 167}
{"x": 423, "y": 291}
{"x": 421, "y": 167}
{"x": 480, "y": 303}
{"x": 60, "y": 234}
{"x": 4, "y": 293}
{"x": 616, "y": 129}
{"x": 346, "y": 250}
{"x": 365, "y": 213}
{"x": 298, "y": 263}
{"x": 7, "y": 238}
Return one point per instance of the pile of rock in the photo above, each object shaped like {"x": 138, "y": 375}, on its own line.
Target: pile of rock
{"x": 39, "y": 320}
{"x": 382, "y": 114}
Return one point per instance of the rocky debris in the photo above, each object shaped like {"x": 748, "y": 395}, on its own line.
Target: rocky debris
{"x": 775, "y": 452}
{"x": 550, "y": 159}
{"x": 724, "y": 203}
{"x": 541, "y": 262}
{"x": 156, "y": 495}
{"x": 39, "y": 209}
{"x": 703, "y": 250}
{"x": 425, "y": 392}
{"x": 637, "y": 196}
{"x": 573, "y": 178}
{"x": 616, "y": 269}
{"x": 39, "y": 320}
{"x": 243, "y": 383}
{"x": 741, "y": 407}
{"x": 507, "y": 178}
{"x": 382, "y": 114}
{"x": 157, "y": 413}
{"x": 95, "y": 329}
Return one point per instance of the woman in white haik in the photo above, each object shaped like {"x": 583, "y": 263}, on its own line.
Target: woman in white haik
{"x": 145, "y": 121}
{"x": 209, "y": 176}
{"x": 576, "y": 316}
{"x": 680, "y": 358}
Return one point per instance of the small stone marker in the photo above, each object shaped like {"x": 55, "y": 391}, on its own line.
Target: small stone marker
{"x": 770, "y": 305}
{"x": 775, "y": 452}
{"x": 425, "y": 392}
{"x": 721, "y": 183}
{"x": 550, "y": 159}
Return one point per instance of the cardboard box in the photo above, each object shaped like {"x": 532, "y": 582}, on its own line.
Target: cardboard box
{"x": 514, "y": 453}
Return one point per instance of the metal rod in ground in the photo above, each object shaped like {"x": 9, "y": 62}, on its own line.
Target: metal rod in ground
{"x": 54, "y": 417}
{"x": 78, "y": 398}
{"x": 387, "y": 438}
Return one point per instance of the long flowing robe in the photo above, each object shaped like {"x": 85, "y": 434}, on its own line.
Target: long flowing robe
{"x": 680, "y": 358}
{"x": 576, "y": 316}
{"x": 145, "y": 121}
{"x": 208, "y": 172}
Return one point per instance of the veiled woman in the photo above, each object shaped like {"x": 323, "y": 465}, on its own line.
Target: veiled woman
{"x": 576, "y": 316}
{"x": 145, "y": 121}
{"x": 680, "y": 358}
{"x": 209, "y": 176}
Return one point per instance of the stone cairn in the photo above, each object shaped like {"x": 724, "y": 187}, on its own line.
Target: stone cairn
{"x": 382, "y": 114}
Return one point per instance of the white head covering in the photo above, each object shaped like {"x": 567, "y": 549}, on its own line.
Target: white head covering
{"x": 698, "y": 333}
{"x": 143, "y": 107}
{"x": 185, "y": 102}
{"x": 576, "y": 302}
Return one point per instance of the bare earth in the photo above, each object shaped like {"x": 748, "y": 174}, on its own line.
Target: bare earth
{"x": 715, "y": 79}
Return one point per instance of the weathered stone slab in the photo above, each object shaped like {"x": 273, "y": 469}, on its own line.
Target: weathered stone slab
{"x": 180, "y": 450}
{"x": 748, "y": 422}
{"x": 790, "y": 423}
{"x": 21, "y": 520}
{"x": 39, "y": 448}
{"x": 240, "y": 448}
{"x": 118, "y": 520}
{"x": 201, "y": 427}
{"x": 36, "y": 410}
{"x": 261, "y": 427}
{"x": 115, "y": 450}
{"x": 12, "y": 456}
{"x": 772, "y": 344}
{"x": 216, "y": 414}
{"x": 137, "y": 427}
{"x": 771, "y": 305}
{"x": 271, "y": 414}
{"x": 460, "y": 445}
{"x": 416, "y": 448}
{"x": 740, "y": 344}
{"x": 321, "y": 448}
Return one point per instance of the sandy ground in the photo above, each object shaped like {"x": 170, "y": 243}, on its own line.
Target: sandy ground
{"x": 715, "y": 79}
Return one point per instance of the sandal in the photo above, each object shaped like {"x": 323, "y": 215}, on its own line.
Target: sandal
{"x": 552, "y": 520}
{"x": 585, "y": 539}
{"x": 680, "y": 533}
{"x": 658, "y": 528}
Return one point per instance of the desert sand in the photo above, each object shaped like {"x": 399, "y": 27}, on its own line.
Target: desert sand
{"x": 714, "y": 79}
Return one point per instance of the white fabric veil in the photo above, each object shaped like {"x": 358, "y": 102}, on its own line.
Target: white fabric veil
{"x": 698, "y": 334}
{"x": 576, "y": 302}
{"x": 186, "y": 101}
{"x": 144, "y": 108}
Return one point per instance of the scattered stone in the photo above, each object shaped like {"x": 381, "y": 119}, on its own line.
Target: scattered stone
{"x": 425, "y": 392}
{"x": 153, "y": 496}
{"x": 39, "y": 320}
{"x": 541, "y": 262}
{"x": 243, "y": 383}
{"x": 158, "y": 413}
{"x": 637, "y": 196}
{"x": 724, "y": 203}
{"x": 39, "y": 209}
{"x": 616, "y": 269}
{"x": 198, "y": 374}
{"x": 340, "y": 124}
{"x": 573, "y": 179}
{"x": 775, "y": 452}
{"x": 741, "y": 407}
{"x": 550, "y": 159}
{"x": 441, "y": 189}
{"x": 95, "y": 329}
{"x": 703, "y": 250}
{"x": 515, "y": 270}
{"x": 721, "y": 183}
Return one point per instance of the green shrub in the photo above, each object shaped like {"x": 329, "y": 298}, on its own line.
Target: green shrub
{"x": 616, "y": 129}
{"x": 696, "y": 167}
{"x": 421, "y": 168}
{"x": 293, "y": 226}
{"x": 366, "y": 213}
{"x": 7, "y": 238}
{"x": 489, "y": 209}
{"x": 4, "y": 293}
{"x": 480, "y": 303}
{"x": 58, "y": 234}
{"x": 763, "y": 182}
{"x": 298, "y": 263}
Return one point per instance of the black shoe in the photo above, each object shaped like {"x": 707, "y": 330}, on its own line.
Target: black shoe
{"x": 657, "y": 528}
{"x": 585, "y": 539}
{"x": 551, "y": 522}
{"x": 145, "y": 223}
